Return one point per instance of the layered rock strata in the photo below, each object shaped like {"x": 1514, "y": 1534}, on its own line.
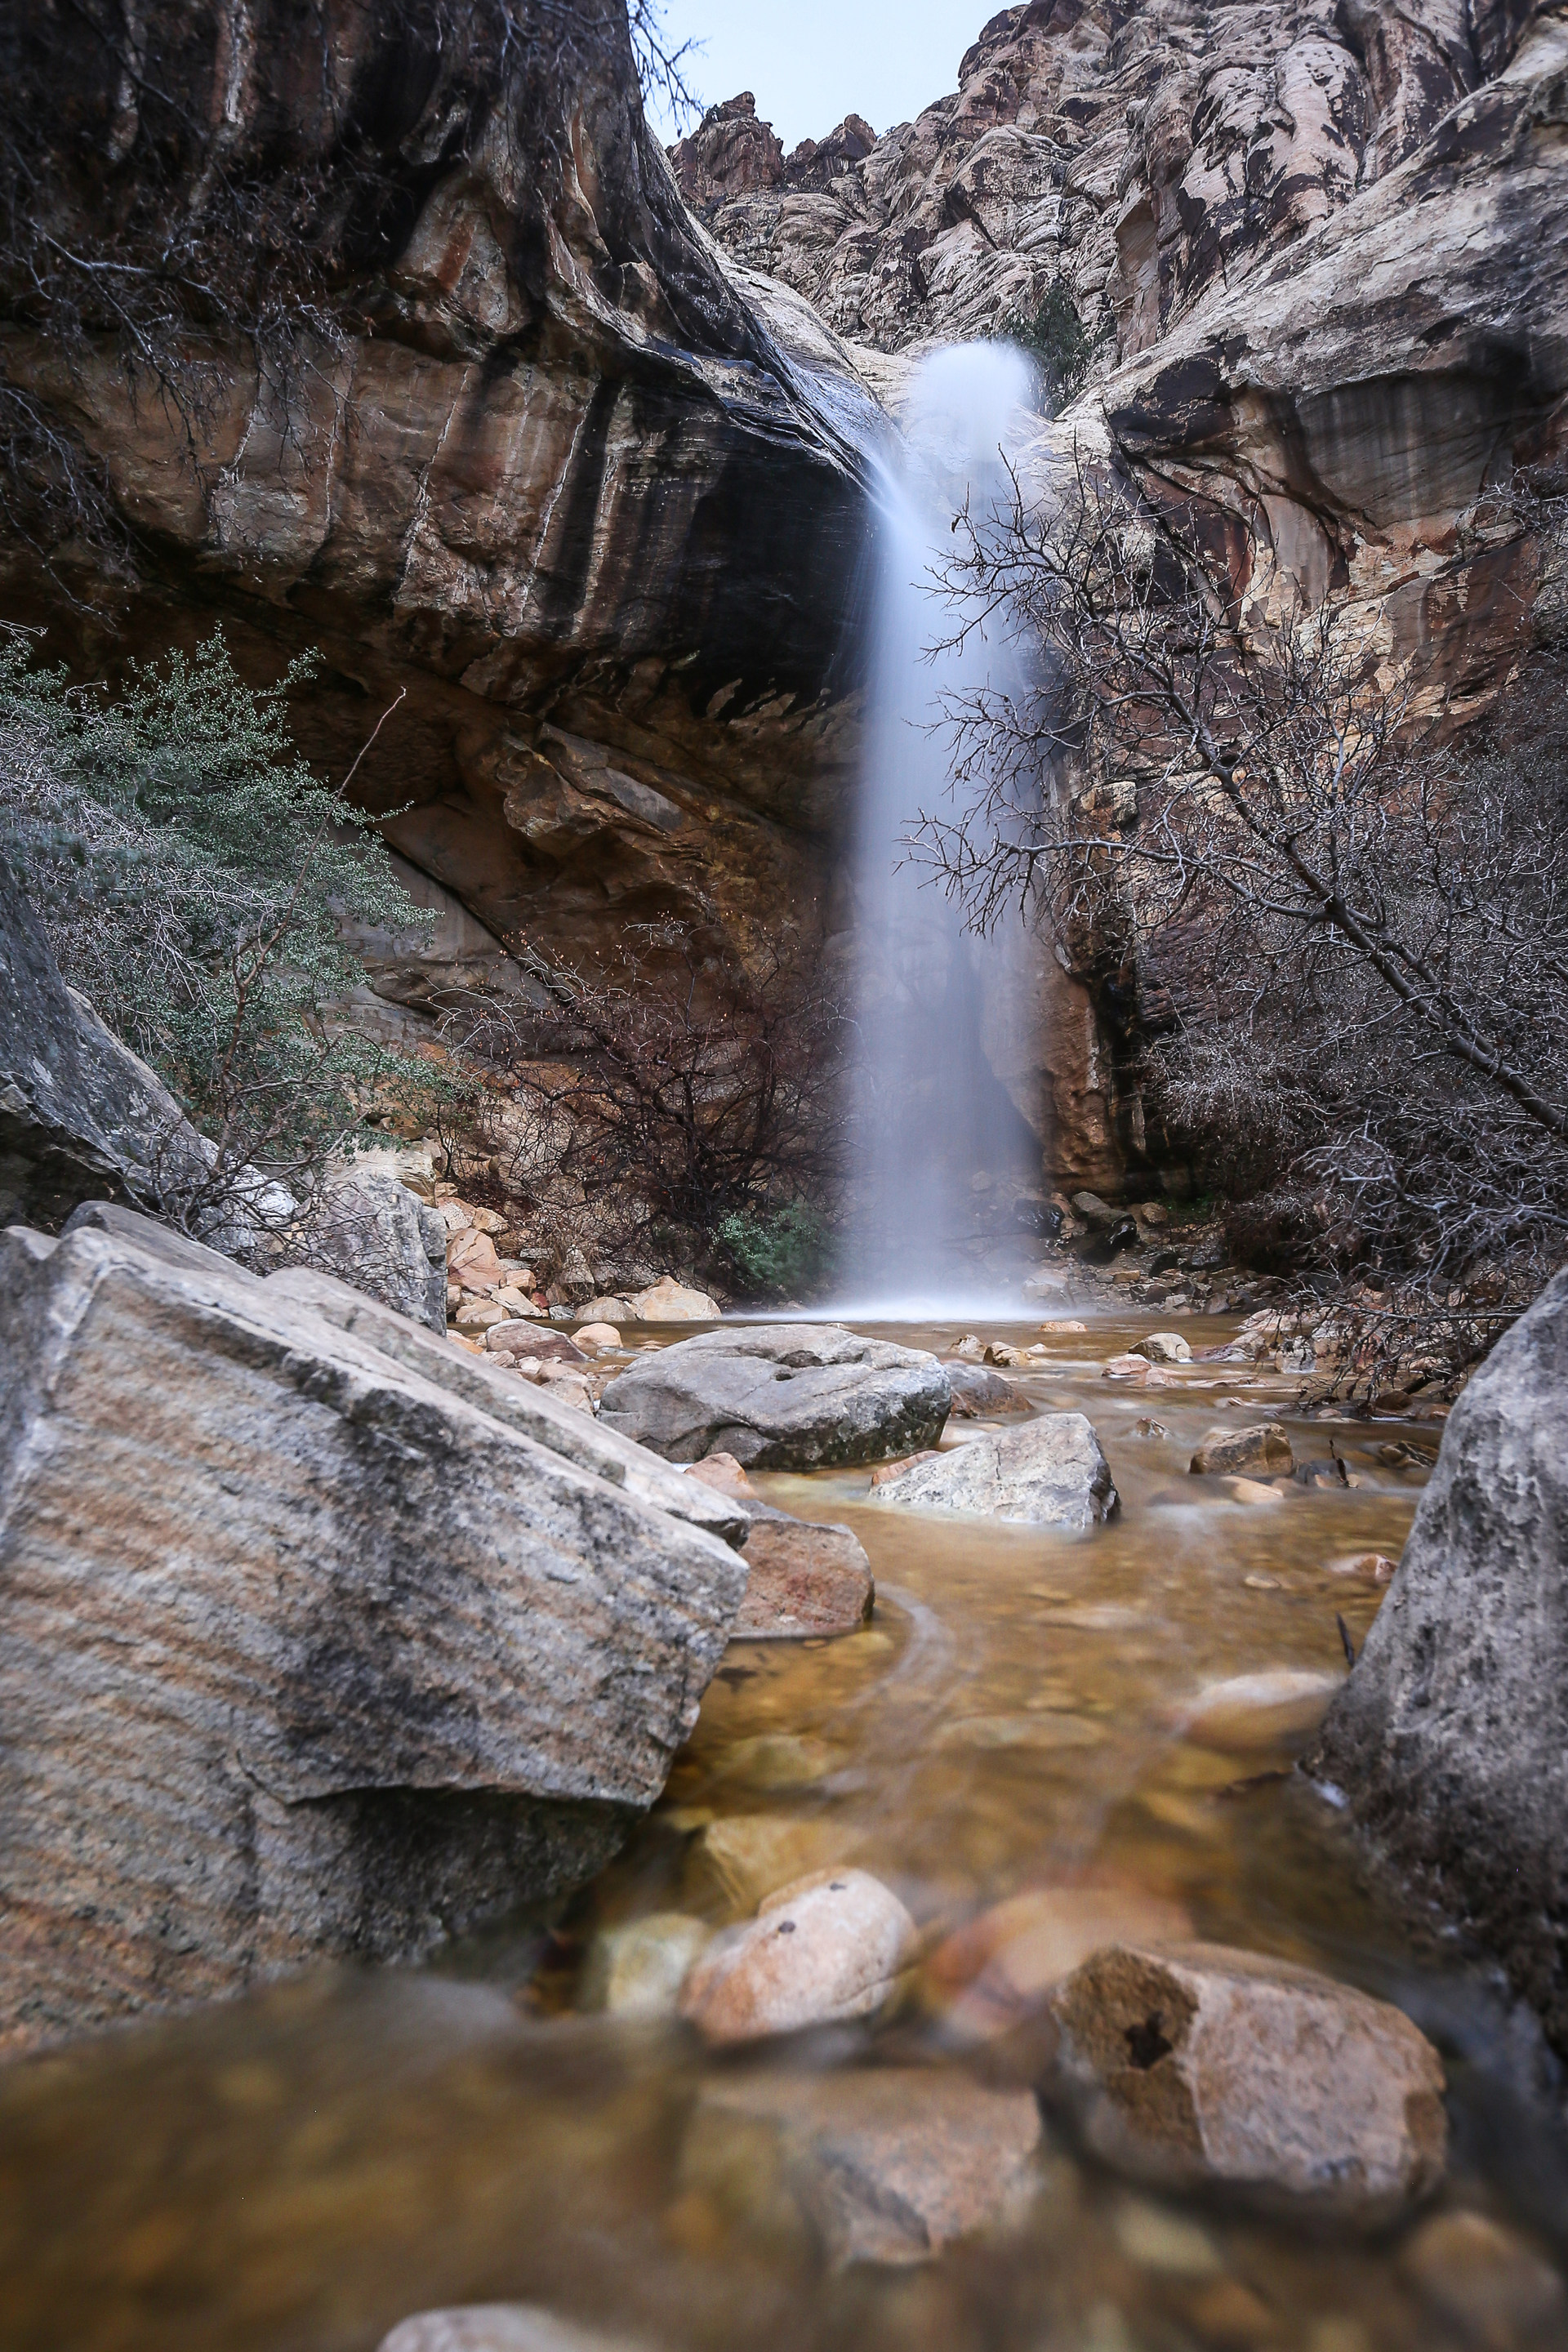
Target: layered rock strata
{"x": 317, "y": 1636}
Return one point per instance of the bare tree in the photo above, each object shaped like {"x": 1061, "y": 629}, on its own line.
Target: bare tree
{"x": 1348, "y": 921}
{"x": 647, "y": 1100}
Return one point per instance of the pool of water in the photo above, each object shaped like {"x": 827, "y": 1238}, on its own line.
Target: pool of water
{"x": 296, "y": 2171}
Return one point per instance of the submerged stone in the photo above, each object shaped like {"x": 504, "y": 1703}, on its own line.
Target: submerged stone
{"x": 818, "y": 1952}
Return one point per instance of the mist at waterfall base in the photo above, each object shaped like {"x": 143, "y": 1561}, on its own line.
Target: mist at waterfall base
{"x": 941, "y": 1152}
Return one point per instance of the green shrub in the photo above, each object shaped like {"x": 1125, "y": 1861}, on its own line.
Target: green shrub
{"x": 1055, "y": 338}
{"x": 194, "y": 876}
{"x": 777, "y": 1252}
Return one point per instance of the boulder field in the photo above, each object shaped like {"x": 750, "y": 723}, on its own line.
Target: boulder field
{"x": 318, "y": 1636}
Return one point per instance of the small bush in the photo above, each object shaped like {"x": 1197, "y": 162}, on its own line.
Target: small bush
{"x": 777, "y": 1252}
{"x": 1057, "y": 339}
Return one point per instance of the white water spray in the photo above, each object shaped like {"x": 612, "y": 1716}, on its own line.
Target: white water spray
{"x": 942, "y": 1149}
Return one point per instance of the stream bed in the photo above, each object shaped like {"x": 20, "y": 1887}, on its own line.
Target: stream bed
{"x": 299, "y": 2171}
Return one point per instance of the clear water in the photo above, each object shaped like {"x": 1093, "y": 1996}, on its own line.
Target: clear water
{"x": 932, "y": 1004}
{"x": 296, "y": 2171}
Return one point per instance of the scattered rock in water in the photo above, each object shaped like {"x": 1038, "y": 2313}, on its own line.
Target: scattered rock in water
{"x": 1251, "y": 1490}
{"x": 1481, "y": 2279}
{"x": 886, "y": 2164}
{"x": 1062, "y": 1330}
{"x": 775, "y": 1760}
{"x": 1263, "y": 1450}
{"x": 1046, "y": 1728}
{"x": 804, "y": 1580}
{"x": 594, "y": 1337}
{"x": 1260, "y": 1710}
{"x": 970, "y": 1349}
{"x": 750, "y": 1856}
{"x": 1134, "y": 1370}
{"x": 991, "y": 1974}
{"x": 886, "y": 1470}
{"x": 1051, "y": 1473}
{"x": 792, "y": 1396}
{"x": 1173, "y": 2244}
{"x": 978, "y": 1391}
{"x": 1375, "y": 1566}
{"x": 637, "y": 1969}
{"x": 1193, "y": 2065}
{"x": 1003, "y": 1353}
{"x": 514, "y": 1339}
{"x": 499, "y": 2327}
{"x": 1164, "y": 1347}
{"x": 1147, "y": 1428}
{"x": 823, "y": 1950}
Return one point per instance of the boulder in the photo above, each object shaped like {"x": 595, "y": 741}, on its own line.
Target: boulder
{"x": 1192, "y": 2066}
{"x": 371, "y": 1231}
{"x": 792, "y": 1396}
{"x": 802, "y": 1580}
{"x": 1449, "y": 1741}
{"x": 597, "y": 1337}
{"x": 884, "y": 2164}
{"x": 1263, "y": 1451}
{"x": 1163, "y": 1348}
{"x": 471, "y": 1261}
{"x": 499, "y": 2327}
{"x": 636, "y": 1969}
{"x": 308, "y": 1646}
{"x": 80, "y": 1117}
{"x": 1049, "y": 1474}
{"x": 826, "y": 1948}
{"x": 978, "y": 1392}
{"x": 669, "y": 1301}
{"x": 1260, "y": 1710}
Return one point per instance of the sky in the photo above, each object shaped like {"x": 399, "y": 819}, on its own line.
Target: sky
{"x": 811, "y": 62}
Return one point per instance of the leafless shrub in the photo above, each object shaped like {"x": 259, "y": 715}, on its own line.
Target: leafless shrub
{"x": 1349, "y": 922}
{"x": 652, "y": 1098}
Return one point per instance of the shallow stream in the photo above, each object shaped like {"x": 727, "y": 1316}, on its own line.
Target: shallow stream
{"x": 296, "y": 2171}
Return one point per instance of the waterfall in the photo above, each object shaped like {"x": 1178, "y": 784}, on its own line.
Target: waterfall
{"x": 941, "y": 1150}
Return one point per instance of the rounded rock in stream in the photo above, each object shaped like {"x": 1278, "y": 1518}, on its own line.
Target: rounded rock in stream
{"x": 1193, "y": 2065}
{"x": 791, "y": 1396}
{"x": 993, "y": 1972}
{"x": 1262, "y": 1450}
{"x": 1261, "y": 1710}
{"x": 804, "y": 1580}
{"x": 823, "y": 1950}
{"x": 499, "y": 2327}
{"x": 884, "y": 2164}
{"x": 1050, "y": 1474}
{"x": 636, "y": 1969}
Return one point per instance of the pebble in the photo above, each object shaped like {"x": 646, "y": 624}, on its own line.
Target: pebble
{"x": 1260, "y": 1710}
{"x": 1481, "y": 2278}
{"x": 751, "y": 1854}
{"x": 826, "y": 1949}
{"x": 1377, "y": 1565}
{"x": 637, "y": 1969}
{"x": 1236, "y": 1453}
{"x": 990, "y": 1973}
{"x": 597, "y": 1337}
{"x": 779, "y": 1760}
{"x": 1147, "y": 1428}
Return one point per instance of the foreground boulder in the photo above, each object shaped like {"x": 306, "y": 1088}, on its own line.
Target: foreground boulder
{"x": 317, "y": 1634}
{"x": 1050, "y": 1474}
{"x": 1449, "y": 1741}
{"x": 888, "y": 2164}
{"x": 818, "y": 1952}
{"x": 791, "y": 1396}
{"x": 1192, "y": 2066}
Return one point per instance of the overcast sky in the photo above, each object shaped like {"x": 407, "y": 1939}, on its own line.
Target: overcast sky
{"x": 811, "y": 62}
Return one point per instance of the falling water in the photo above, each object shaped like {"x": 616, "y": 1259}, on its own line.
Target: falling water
{"x": 943, "y": 1149}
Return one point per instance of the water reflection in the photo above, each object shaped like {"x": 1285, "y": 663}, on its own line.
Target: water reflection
{"x": 300, "y": 2170}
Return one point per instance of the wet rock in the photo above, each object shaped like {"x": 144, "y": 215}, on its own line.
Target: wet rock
{"x": 886, "y": 1470}
{"x": 823, "y": 1950}
{"x": 970, "y": 1349}
{"x": 794, "y": 1396}
{"x": 1375, "y": 1566}
{"x": 594, "y": 1337}
{"x": 637, "y": 1969}
{"x": 1095, "y": 1212}
{"x": 1134, "y": 1370}
{"x": 802, "y": 1578}
{"x": 499, "y": 2327}
{"x": 1164, "y": 1347}
{"x": 775, "y": 1761}
{"x": 1481, "y": 2279}
{"x": 544, "y": 1347}
{"x": 1147, "y": 1428}
{"x": 1062, "y": 1329}
{"x": 750, "y": 1856}
{"x": 1196, "y": 2066}
{"x": 303, "y": 1650}
{"x": 1251, "y": 1491}
{"x": 978, "y": 1391}
{"x": 669, "y": 1301}
{"x": 991, "y": 1974}
{"x": 1262, "y": 1451}
{"x": 1050, "y": 1474}
{"x": 1260, "y": 1710}
{"x": 1450, "y": 1738}
{"x": 725, "y": 1475}
{"x": 887, "y": 2163}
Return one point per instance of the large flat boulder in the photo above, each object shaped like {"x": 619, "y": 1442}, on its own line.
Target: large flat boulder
{"x": 1449, "y": 1739}
{"x": 787, "y": 1396}
{"x": 1049, "y": 1474}
{"x": 318, "y": 1636}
